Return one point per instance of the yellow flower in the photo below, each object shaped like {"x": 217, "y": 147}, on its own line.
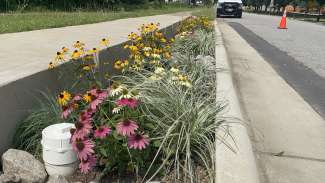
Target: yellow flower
{"x": 59, "y": 56}
{"x": 78, "y": 44}
{"x": 126, "y": 46}
{"x": 64, "y": 98}
{"x": 118, "y": 65}
{"x": 65, "y": 49}
{"x": 51, "y": 65}
{"x": 163, "y": 40}
{"x": 133, "y": 49}
{"x": 104, "y": 42}
{"x": 87, "y": 67}
{"x": 167, "y": 55}
{"x": 87, "y": 97}
{"x": 126, "y": 63}
{"x": 92, "y": 51}
{"x": 76, "y": 54}
{"x": 146, "y": 53}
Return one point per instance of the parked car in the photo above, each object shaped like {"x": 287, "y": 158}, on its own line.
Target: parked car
{"x": 233, "y": 8}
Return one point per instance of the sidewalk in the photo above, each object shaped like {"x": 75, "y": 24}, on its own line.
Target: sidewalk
{"x": 288, "y": 135}
{"x": 26, "y": 53}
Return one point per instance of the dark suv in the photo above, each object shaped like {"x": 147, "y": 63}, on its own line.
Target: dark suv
{"x": 233, "y": 8}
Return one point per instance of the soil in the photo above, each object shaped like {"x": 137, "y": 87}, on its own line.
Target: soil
{"x": 78, "y": 177}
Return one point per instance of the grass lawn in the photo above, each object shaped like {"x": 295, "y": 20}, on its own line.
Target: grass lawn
{"x": 206, "y": 11}
{"x": 18, "y": 22}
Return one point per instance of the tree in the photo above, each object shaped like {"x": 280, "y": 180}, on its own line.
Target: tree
{"x": 321, "y": 3}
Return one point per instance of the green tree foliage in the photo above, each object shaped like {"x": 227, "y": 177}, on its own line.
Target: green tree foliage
{"x": 70, "y": 5}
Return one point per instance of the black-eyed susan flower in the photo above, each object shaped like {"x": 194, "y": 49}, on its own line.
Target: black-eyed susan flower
{"x": 92, "y": 51}
{"x": 133, "y": 49}
{"x": 78, "y": 44}
{"x": 51, "y": 65}
{"x": 76, "y": 54}
{"x": 104, "y": 42}
{"x": 64, "y": 98}
{"x": 86, "y": 67}
{"x": 65, "y": 49}
{"x": 125, "y": 63}
{"x": 59, "y": 56}
{"x": 118, "y": 64}
{"x": 167, "y": 55}
{"x": 87, "y": 97}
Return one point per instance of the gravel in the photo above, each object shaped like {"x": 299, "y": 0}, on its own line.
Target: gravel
{"x": 304, "y": 41}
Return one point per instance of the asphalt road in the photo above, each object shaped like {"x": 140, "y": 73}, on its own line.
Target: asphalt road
{"x": 297, "y": 53}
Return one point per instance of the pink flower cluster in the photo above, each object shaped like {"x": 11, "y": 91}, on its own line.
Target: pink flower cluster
{"x": 81, "y": 143}
{"x": 85, "y": 132}
{"x": 128, "y": 128}
{"x": 130, "y": 102}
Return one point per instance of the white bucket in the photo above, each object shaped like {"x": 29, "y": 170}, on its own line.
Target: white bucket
{"x": 58, "y": 155}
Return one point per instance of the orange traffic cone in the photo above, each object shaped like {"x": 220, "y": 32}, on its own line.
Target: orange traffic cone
{"x": 283, "y": 22}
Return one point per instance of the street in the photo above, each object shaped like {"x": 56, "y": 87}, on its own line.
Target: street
{"x": 280, "y": 80}
{"x": 297, "y": 53}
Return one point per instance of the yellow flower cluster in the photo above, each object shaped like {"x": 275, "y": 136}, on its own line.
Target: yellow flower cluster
{"x": 79, "y": 52}
{"x": 148, "y": 48}
{"x": 192, "y": 23}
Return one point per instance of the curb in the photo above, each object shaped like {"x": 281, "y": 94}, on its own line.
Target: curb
{"x": 239, "y": 166}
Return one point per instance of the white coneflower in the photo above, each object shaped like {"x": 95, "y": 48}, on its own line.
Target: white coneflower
{"x": 125, "y": 94}
{"x": 174, "y": 70}
{"x": 155, "y": 77}
{"x": 147, "y": 49}
{"x": 117, "y": 110}
{"x": 155, "y": 56}
{"x": 116, "y": 89}
{"x": 160, "y": 71}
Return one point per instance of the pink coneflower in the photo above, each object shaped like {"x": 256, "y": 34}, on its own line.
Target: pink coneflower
{"x": 100, "y": 97}
{"x": 126, "y": 127}
{"x": 85, "y": 117}
{"x": 95, "y": 103}
{"x": 94, "y": 92}
{"x": 102, "y": 131}
{"x": 138, "y": 141}
{"x": 130, "y": 102}
{"x": 86, "y": 165}
{"x": 66, "y": 111}
{"x": 82, "y": 129}
{"x": 77, "y": 98}
{"x": 103, "y": 95}
{"x": 84, "y": 148}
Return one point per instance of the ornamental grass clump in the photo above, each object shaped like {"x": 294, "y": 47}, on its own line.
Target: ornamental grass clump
{"x": 199, "y": 42}
{"x": 28, "y": 133}
{"x": 185, "y": 120}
